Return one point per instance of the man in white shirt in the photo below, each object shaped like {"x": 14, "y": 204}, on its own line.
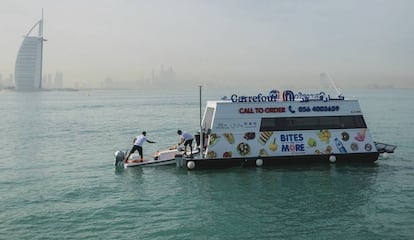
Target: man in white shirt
{"x": 187, "y": 139}
{"x": 138, "y": 142}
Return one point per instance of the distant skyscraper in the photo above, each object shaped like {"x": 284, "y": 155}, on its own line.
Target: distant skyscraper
{"x": 59, "y": 80}
{"x": 28, "y": 69}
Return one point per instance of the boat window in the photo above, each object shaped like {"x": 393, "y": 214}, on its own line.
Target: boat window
{"x": 208, "y": 118}
{"x": 312, "y": 123}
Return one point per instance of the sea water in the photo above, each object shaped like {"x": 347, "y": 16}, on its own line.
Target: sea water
{"x": 58, "y": 181}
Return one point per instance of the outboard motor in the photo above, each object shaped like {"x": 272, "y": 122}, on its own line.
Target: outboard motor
{"x": 119, "y": 158}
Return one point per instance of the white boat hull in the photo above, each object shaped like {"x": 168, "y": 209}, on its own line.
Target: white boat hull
{"x": 151, "y": 162}
{"x": 164, "y": 157}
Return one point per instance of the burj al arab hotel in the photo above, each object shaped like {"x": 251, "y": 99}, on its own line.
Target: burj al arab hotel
{"x": 28, "y": 68}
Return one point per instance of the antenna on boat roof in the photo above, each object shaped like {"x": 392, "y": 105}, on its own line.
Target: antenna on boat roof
{"x": 201, "y": 126}
{"x": 326, "y": 75}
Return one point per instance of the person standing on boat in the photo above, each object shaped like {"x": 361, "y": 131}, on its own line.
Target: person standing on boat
{"x": 187, "y": 139}
{"x": 138, "y": 142}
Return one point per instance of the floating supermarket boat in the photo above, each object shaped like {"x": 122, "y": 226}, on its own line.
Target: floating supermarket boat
{"x": 274, "y": 128}
{"x": 284, "y": 127}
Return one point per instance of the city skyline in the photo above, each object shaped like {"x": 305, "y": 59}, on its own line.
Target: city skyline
{"x": 219, "y": 43}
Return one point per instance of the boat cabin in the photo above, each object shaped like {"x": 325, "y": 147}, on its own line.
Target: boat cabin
{"x": 285, "y": 127}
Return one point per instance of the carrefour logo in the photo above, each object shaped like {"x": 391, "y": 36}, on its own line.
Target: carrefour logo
{"x": 273, "y": 96}
{"x": 257, "y": 98}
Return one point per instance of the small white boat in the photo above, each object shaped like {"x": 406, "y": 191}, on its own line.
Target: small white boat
{"x": 159, "y": 158}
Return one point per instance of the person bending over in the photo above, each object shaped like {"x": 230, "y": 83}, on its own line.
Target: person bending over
{"x": 187, "y": 139}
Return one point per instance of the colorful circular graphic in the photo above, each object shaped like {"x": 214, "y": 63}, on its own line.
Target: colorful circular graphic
{"x": 354, "y": 147}
{"x": 243, "y": 149}
{"x": 211, "y": 154}
{"x": 345, "y": 136}
{"x": 368, "y": 147}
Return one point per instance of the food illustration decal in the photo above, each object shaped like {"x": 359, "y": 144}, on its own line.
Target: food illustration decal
{"x": 354, "y": 147}
{"x": 312, "y": 142}
{"x": 229, "y": 137}
{"x": 214, "y": 138}
{"x": 243, "y": 149}
{"x": 368, "y": 147}
{"x": 211, "y": 154}
{"x": 227, "y": 154}
{"x": 361, "y": 135}
{"x": 327, "y": 150}
{"x": 263, "y": 153}
{"x": 232, "y": 144}
{"x": 324, "y": 136}
{"x": 340, "y": 146}
{"x": 273, "y": 145}
{"x": 249, "y": 135}
{"x": 345, "y": 136}
{"x": 264, "y": 136}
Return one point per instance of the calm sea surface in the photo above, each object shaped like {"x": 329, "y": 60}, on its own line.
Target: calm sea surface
{"x": 57, "y": 179}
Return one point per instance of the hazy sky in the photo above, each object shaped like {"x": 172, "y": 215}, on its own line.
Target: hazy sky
{"x": 256, "y": 42}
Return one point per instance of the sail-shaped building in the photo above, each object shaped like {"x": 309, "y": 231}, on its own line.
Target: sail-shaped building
{"x": 28, "y": 68}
